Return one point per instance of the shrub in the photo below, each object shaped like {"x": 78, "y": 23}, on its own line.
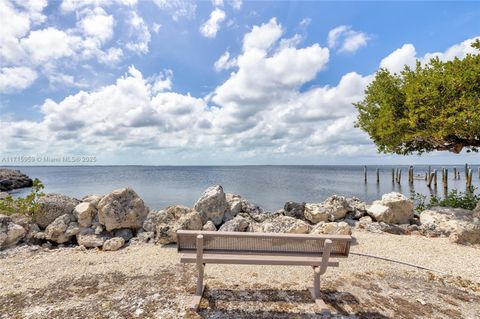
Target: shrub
{"x": 454, "y": 199}
{"x": 27, "y": 205}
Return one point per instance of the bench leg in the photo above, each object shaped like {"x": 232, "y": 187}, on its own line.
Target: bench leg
{"x": 315, "y": 291}
{"x": 200, "y": 288}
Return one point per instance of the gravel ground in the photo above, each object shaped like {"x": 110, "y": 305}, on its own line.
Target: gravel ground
{"x": 146, "y": 281}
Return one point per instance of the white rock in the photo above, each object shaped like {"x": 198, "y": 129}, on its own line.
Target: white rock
{"x": 209, "y": 226}
{"x": 57, "y": 230}
{"x": 400, "y": 209}
{"x": 332, "y": 209}
{"x": 238, "y": 224}
{"x": 286, "y": 224}
{"x": 113, "y": 244}
{"x": 52, "y": 206}
{"x": 84, "y": 213}
{"x": 10, "y": 233}
{"x": 212, "y": 205}
{"x": 122, "y": 208}
{"x": 340, "y": 228}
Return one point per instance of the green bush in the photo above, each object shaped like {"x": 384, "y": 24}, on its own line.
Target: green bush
{"x": 27, "y": 205}
{"x": 454, "y": 199}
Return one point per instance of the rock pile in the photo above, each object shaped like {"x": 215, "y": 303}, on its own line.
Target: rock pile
{"x": 12, "y": 179}
{"x": 121, "y": 217}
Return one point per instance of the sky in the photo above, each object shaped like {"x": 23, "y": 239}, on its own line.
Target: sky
{"x": 179, "y": 82}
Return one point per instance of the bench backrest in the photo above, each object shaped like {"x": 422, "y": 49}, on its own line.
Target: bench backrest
{"x": 262, "y": 243}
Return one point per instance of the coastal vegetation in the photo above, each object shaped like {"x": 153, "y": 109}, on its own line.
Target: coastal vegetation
{"x": 434, "y": 106}
{"x": 453, "y": 199}
{"x": 27, "y": 205}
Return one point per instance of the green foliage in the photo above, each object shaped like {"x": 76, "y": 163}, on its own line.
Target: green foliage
{"x": 454, "y": 199}
{"x": 27, "y": 205}
{"x": 435, "y": 106}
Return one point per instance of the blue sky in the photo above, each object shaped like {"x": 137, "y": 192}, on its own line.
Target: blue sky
{"x": 211, "y": 82}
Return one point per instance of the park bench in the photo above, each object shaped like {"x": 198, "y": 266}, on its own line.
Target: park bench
{"x": 217, "y": 247}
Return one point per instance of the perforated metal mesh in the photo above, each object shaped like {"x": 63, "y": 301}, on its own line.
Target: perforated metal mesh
{"x": 262, "y": 244}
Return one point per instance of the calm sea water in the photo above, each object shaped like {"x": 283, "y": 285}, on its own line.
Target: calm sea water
{"x": 267, "y": 186}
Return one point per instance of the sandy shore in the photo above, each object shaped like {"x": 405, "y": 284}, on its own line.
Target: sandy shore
{"x": 147, "y": 281}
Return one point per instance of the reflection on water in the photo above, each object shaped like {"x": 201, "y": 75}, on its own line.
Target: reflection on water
{"x": 268, "y": 186}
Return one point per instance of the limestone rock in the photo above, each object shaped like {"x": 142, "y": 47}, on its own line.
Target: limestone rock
{"x": 238, "y": 224}
{"x": 113, "y": 244}
{"x": 212, "y": 205}
{"x": 340, "y": 228}
{"x": 52, "y": 206}
{"x": 57, "y": 231}
{"x": 89, "y": 239}
{"x": 234, "y": 206}
{"x": 399, "y": 209}
{"x": 333, "y": 208}
{"x": 458, "y": 224}
{"x": 12, "y": 179}
{"x": 357, "y": 207}
{"x": 381, "y": 227}
{"x": 166, "y": 230}
{"x": 122, "y": 208}
{"x": 153, "y": 219}
{"x": 84, "y": 213}
{"x": 10, "y": 233}
{"x": 209, "y": 226}
{"x": 92, "y": 199}
{"x": 476, "y": 211}
{"x": 286, "y": 224}
{"x": 294, "y": 209}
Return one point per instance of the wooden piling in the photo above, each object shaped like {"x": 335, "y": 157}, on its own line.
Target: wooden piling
{"x": 393, "y": 175}
{"x": 430, "y": 179}
{"x": 365, "y": 173}
{"x": 378, "y": 176}
{"x": 399, "y": 175}
{"x": 445, "y": 178}
{"x": 466, "y": 171}
{"x": 469, "y": 179}
{"x": 454, "y": 173}
{"x": 426, "y": 176}
{"x": 435, "y": 177}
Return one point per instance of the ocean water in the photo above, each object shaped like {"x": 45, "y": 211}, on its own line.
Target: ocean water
{"x": 267, "y": 186}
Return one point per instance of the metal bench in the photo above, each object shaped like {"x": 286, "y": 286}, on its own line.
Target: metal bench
{"x": 215, "y": 247}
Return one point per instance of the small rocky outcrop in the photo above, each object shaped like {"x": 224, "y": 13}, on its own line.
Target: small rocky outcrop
{"x": 381, "y": 227}
{"x": 122, "y": 208}
{"x": 357, "y": 208}
{"x": 113, "y": 244}
{"x": 459, "y": 225}
{"x": 333, "y": 228}
{"x": 286, "y": 224}
{"x": 169, "y": 223}
{"x": 62, "y": 229}
{"x": 10, "y": 232}
{"x": 51, "y": 206}
{"x": 13, "y": 179}
{"x": 209, "y": 226}
{"x": 89, "y": 239}
{"x": 212, "y": 205}
{"x": 238, "y": 224}
{"x": 92, "y": 199}
{"x": 234, "y": 206}
{"x": 393, "y": 208}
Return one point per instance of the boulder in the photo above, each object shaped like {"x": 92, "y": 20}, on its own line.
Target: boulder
{"x": 458, "y": 224}
{"x": 92, "y": 199}
{"x": 125, "y": 233}
{"x": 340, "y": 228}
{"x": 333, "y": 208}
{"x": 122, "y": 208}
{"x": 212, "y": 205}
{"x": 52, "y": 206}
{"x": 87, "y": 237}
{"x": 234, "y": 206}
{"x": 238, "y": 224}
{"x": 62, "y": 229}
{"x": 209, "y": 226}
{"x": 286, "y": 224}
{"x": 113, "y": 244}
{"x": 294, "y": 209}
{"x": 399, "y": 209}
{"x": 315, "y": 213}
{"x": 10, "y": 233}
{"x": 153, "y": 219}
{"x": 253, "y": 211}
{"x": 12, "y": 179}
{"x": 357, "y": 208}
{"x": 143, "y": 237}
{"x": 84, "y": 213}
{"x": 166, "y": 230}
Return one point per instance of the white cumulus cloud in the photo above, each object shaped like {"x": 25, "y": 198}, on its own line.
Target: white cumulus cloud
{"x": 16, "y": 78}
{"x": 210, "y": 28}
{"x": 346, "y": 39}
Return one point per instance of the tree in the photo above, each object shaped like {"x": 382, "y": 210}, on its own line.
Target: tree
{"x": 435, "y": 106}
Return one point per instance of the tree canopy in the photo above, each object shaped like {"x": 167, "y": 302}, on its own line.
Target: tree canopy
{"x": 434, "y": 106}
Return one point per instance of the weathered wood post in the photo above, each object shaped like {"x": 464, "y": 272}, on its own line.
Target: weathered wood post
{"x": 393, "y": 175}
{"x": 435, "y": 177}
{"x": 479, "y": 172}
{"x": 399, "y": 175}
{"x": 378, "y": 176}
{"x": 365, "y": 173}
{"x": 454, "y": 173}
{"x": 443, "y": 174}
{"x": 430, "y": 179}
{"x": 466, "y": 171}
{"x": 426, "y": 176}
{"x": 469, "y": 180}
{"x": 445, "y": 178}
